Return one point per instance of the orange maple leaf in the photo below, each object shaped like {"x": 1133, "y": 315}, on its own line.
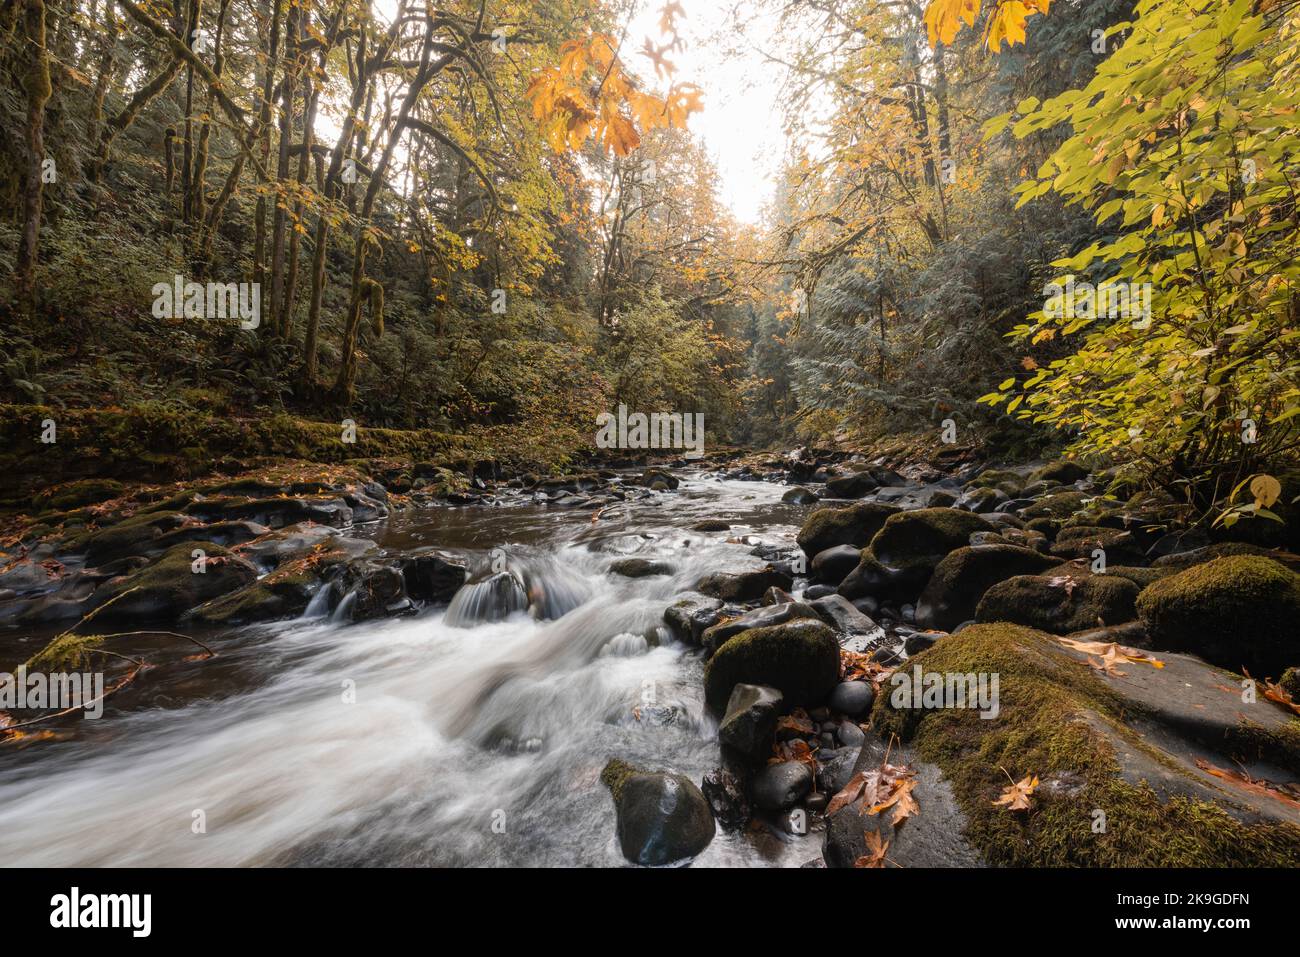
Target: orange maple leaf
{"x": 876, "y": 848}
{"x": 1016, "y": 796}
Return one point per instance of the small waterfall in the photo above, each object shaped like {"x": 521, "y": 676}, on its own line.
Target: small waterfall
{"x": 540, "y": 585}
{"x": 319, "y": 605}
{"x": 493, "y": 598}
{"x": 345, "y": 606}
{"x": 626, "y": 645}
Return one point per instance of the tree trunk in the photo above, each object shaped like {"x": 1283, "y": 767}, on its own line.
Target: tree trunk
{"x": 36, "y": 83}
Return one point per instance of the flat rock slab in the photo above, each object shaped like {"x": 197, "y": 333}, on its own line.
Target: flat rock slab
{"x": 933, "y": 837}
{"x": 1191, "y": 710}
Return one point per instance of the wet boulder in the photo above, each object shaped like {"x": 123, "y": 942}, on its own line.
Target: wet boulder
{"x": 432, "y": 576}
{"x": 290, "y": 542}
{"x": 1060, "y": 604}
{"x": 1177, "y": 561}
{"x": 799, "y": 496}
{"x": 711, "y": 525}
{"x": 718, "y": 635}
{"x": 833, "y": 565}
{"x": 688, "y": 618}
{"x": 1236, "y": 612}
{"x": 780, "y": 786}
{"x": 1008, "y": 481}
{"x": 965, "y": 574}
{"x": 662, "y": 817}
{"x": 275, "y": 512}
{"x": 852, "y": 698}
{"x": 853, "y": 485}
{"x": 373, "y": 589}
{"x": 743, "y": 585}
{"x": 800, "y": 658}
{"x": 853, "y": 525}
{"x": 841, "y": 614}
{"x": 287, "y": 591}
{"x": 747, "y": 725}
{"x": 640, "y": 567}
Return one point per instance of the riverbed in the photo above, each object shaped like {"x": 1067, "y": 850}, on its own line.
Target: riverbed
{"x": 407, "y": 741}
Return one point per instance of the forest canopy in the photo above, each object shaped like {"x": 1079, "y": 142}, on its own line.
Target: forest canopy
{"x": 1047, "y": 223}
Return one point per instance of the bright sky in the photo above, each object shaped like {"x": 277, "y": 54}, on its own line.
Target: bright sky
{"x": 740, "y": 125}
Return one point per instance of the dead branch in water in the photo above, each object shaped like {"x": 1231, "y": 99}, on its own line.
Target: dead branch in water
{"x": 66, "y": 644}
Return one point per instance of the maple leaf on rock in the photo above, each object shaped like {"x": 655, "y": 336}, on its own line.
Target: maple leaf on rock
{"x": 1109, "y": 654}
{"x": 876, "y": 848}
{"x": 901, "y": 800}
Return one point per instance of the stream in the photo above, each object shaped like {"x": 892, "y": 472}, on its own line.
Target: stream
{"x": 409, "y": 741}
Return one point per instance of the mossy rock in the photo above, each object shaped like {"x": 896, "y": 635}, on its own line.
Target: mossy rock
{"x": 853, "y": 525}
{"x": 961, "y": 579}
{"x": 1047, "y": 527}
{"x": 284, "y": 593}
{"x": 746, "y": 585}
{"x": 1138, "y": 575}
{"x": 167, "y": 589}
{"x": 70, "y": 495}
{"x": 1060, "y": 604}
{"x": 135, "y": 535}
{"x": 1062, "y": 722}
{"x": 925, "y": 536}
{"x": 801, "y": 659}
{"x": 1081, "y": 541}
{"x": 1064, "y": 471}
{"x": 1236, "y": 612}
{"x": 906, "y": 550}
{"x": 1005, "y": 479}
{"x": 1181, "y": 560}
{"x": 1058, "y": 505}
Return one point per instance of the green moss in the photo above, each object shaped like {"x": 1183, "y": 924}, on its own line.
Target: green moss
{"x": 1059, "y": 721}
{"x": 855, "y": 525}
{"x": 1059, "y": 505}
{"x": 615, "y": 775}
{"x": 1064, "y": 471}
{"x": 70, "y": 495}
{"x": 1138, "y": 575}
{"x": 800, "y": 658}
{"x": 1060, "y": 604}
{"x": 66, "y": 652}
{"x": 998, "y": 478}
{"x": 924, "y": 536}
{"x": 1239, "y": 611}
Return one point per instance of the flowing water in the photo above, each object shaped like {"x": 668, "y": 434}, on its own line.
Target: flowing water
{"x": 411, "y": 741}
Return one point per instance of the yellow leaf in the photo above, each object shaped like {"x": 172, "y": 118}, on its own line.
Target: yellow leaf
{"x": 1266, "y": 490}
